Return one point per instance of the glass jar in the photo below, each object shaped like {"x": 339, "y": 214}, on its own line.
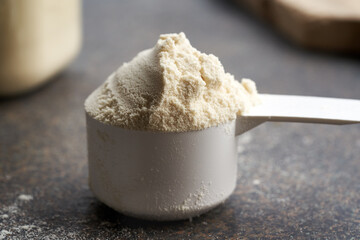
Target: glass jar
{"x": 38, "y": 38}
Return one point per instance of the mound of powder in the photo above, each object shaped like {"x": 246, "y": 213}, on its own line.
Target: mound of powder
{"x": 171, "y": 87}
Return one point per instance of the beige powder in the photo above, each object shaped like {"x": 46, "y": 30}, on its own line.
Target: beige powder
{"x": 173, "y": 88}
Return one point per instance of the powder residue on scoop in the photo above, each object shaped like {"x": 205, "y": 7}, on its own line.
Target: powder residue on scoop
{"x": 171, "y": 87}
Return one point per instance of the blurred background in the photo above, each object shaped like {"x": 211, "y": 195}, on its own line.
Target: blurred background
{"x": 295, "y": 180}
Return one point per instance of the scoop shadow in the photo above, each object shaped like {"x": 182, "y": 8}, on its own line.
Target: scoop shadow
{"x": 109, "y": 218}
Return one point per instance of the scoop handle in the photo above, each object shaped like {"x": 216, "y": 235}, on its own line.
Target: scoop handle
{"x": 291, "y": 108}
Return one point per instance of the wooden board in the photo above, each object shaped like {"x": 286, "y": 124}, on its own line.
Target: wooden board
{"x": 331, "y": 25}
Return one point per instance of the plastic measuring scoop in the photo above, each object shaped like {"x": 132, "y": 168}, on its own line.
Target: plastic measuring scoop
{"x": 306, "y": 109}
{"x": 172, "y": 176}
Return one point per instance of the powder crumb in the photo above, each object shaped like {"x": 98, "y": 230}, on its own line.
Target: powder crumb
{"x": 24, "y": 197}
{"x": 256, "y": 182}
{"x": 173, "y": 88}
{"x": 3, "y": 216}
{"x": 28, "y": 227}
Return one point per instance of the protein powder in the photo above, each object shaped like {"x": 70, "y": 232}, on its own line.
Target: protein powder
{"x": 171, "y": 87}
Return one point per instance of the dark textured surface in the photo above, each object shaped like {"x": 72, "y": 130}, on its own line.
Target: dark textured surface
{"x": 299, "y": 181}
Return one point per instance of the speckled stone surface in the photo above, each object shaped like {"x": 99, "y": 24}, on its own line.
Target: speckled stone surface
{"x": 296, "y": 181}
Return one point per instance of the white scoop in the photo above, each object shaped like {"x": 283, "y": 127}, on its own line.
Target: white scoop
{"x": 172, "y": 176}
{"x": 291, "y": 108}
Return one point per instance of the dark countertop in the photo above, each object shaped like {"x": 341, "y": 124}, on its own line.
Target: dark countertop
{"x": 296, "y": 181}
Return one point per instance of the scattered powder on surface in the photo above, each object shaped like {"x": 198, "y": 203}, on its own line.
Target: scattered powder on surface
{"x": 26, "y": 223}
{"x": 24, "y": 197}
{"x": 171, "y": 87}
{"x": 4, "y": 234}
